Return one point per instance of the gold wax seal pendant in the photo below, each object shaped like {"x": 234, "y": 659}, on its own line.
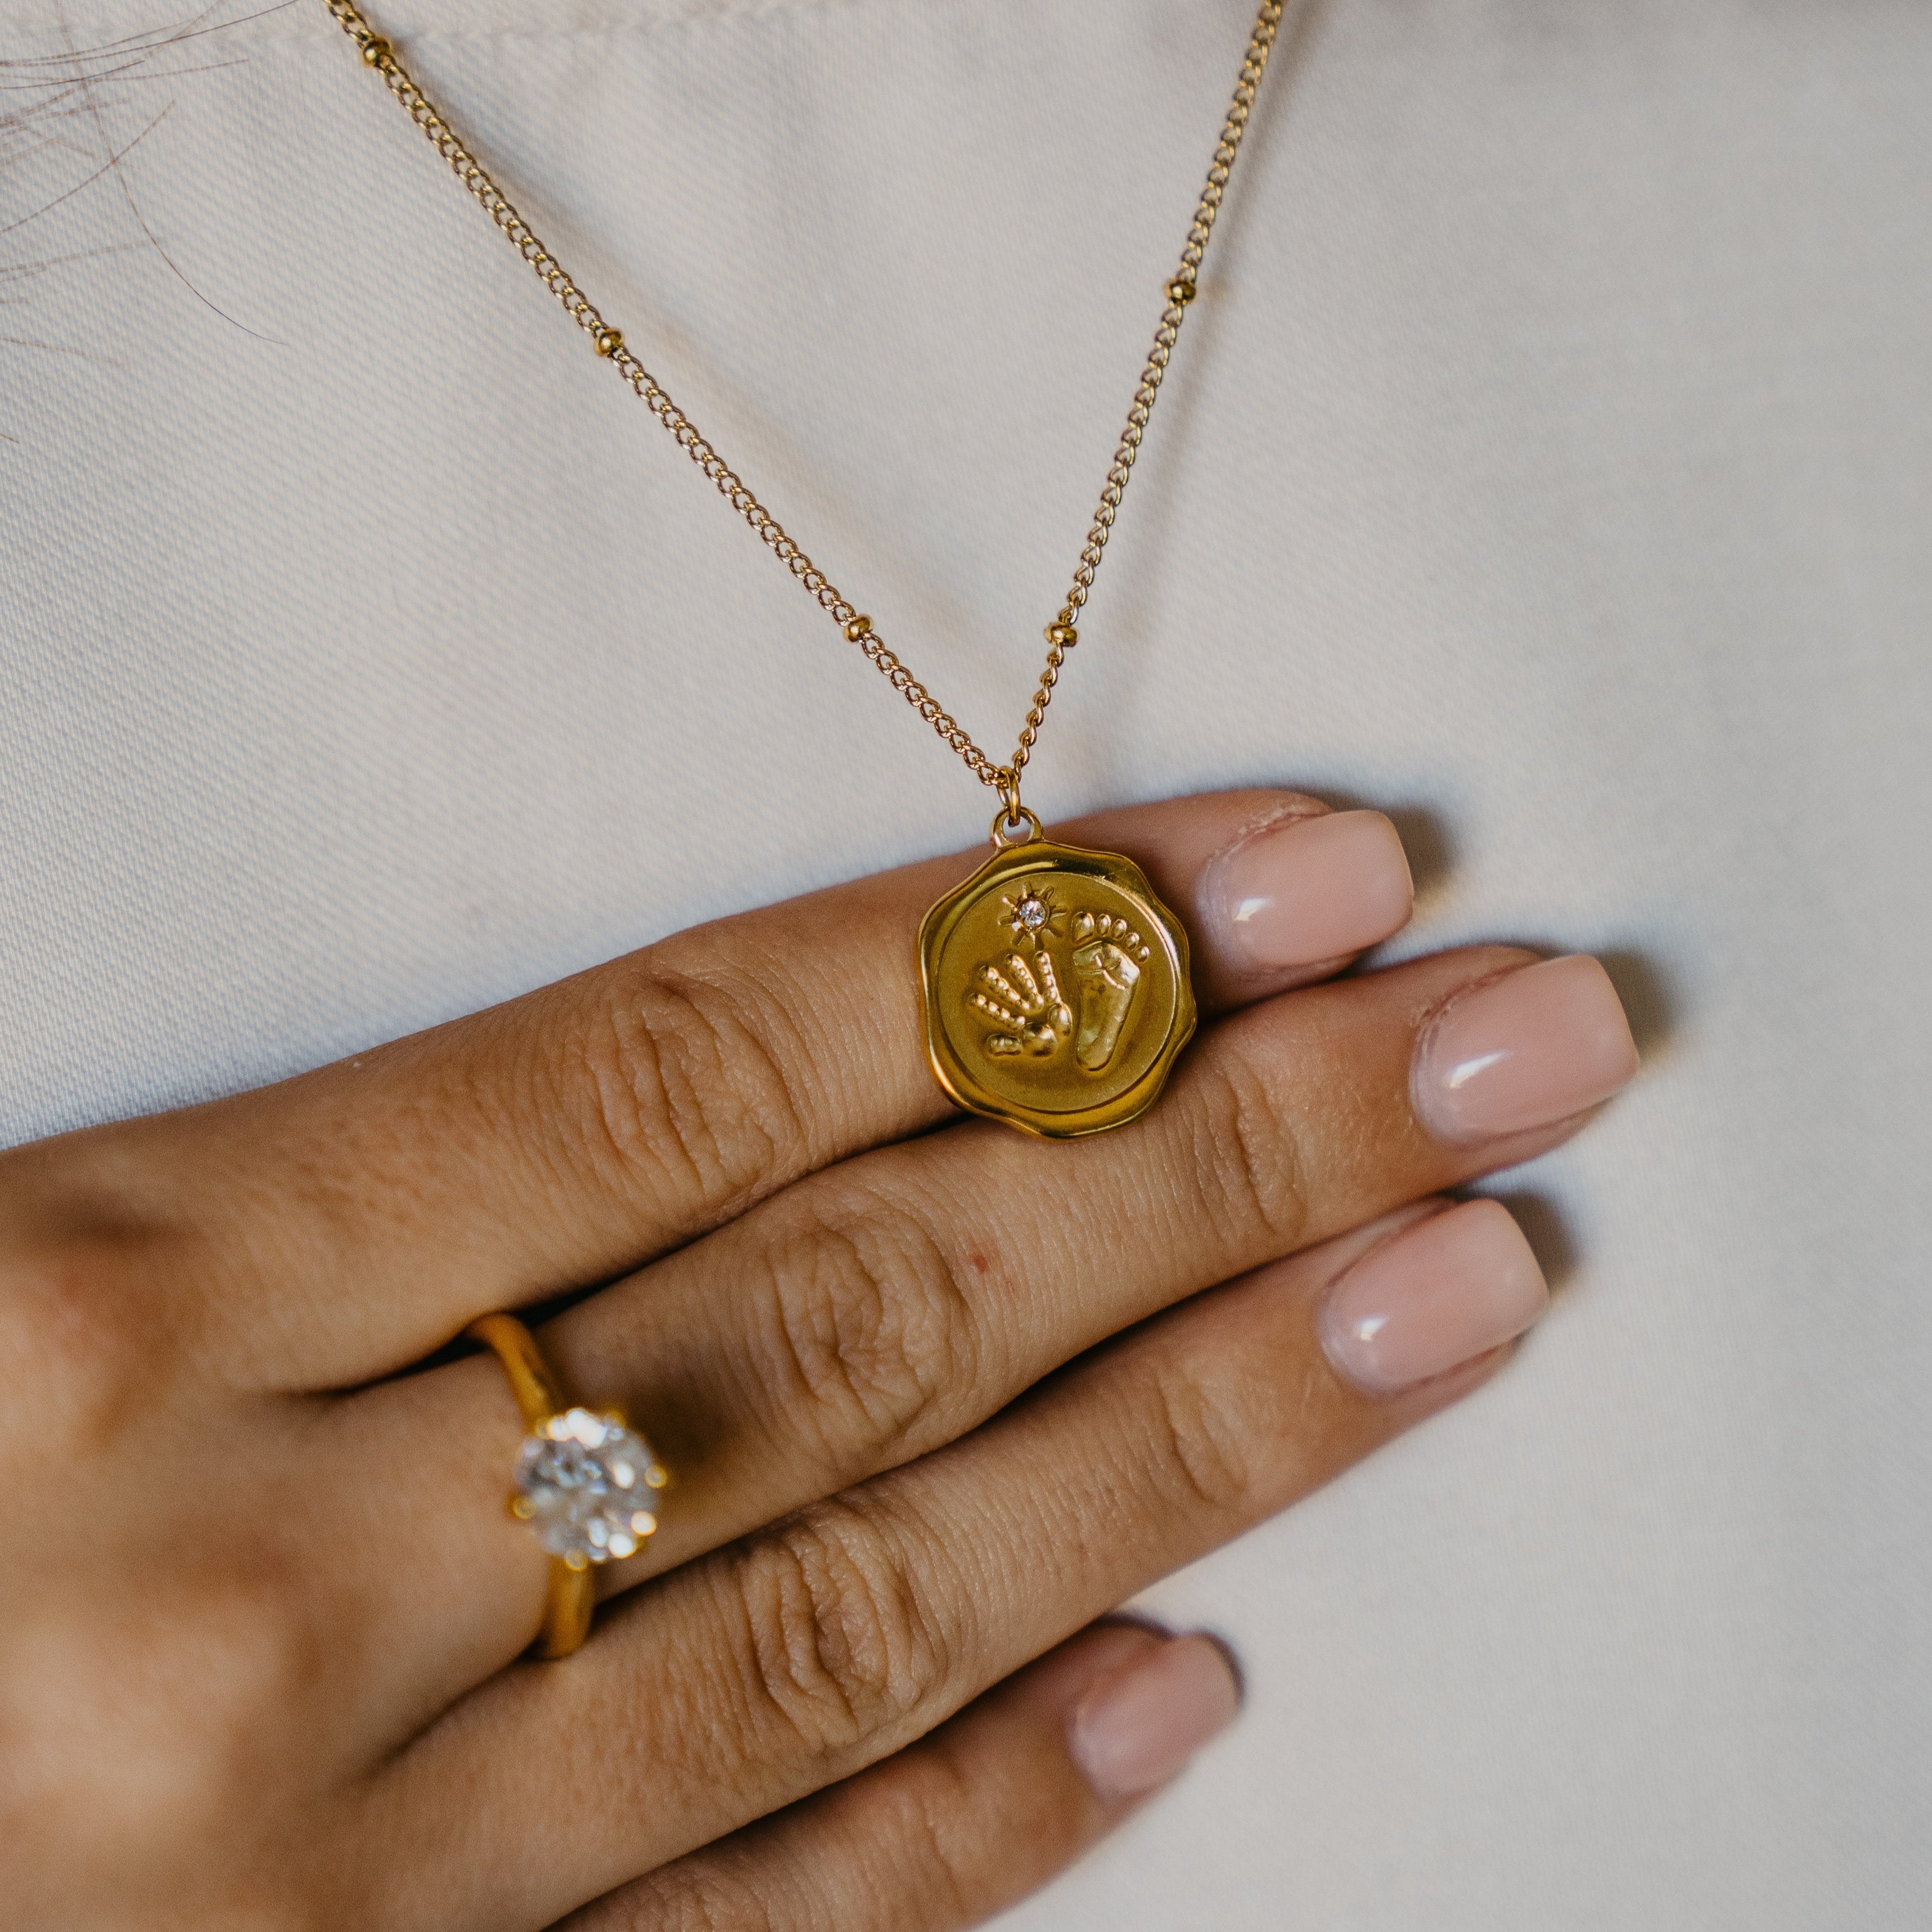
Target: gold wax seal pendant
{"x": 1057, "y": 989}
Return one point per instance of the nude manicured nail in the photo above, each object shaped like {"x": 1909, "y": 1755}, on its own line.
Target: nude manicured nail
{"x": 1525, "y": 1051}
{"x": 1437, "y": 1294}
{"x": 1133, "y": 1731}
{"x": 1306, "y": 889}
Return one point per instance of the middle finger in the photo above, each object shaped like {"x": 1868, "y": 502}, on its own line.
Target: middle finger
{"x": 880, "y": 1309}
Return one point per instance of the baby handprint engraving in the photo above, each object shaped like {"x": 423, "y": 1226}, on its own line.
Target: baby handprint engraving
{"x": 1024, "y": 998}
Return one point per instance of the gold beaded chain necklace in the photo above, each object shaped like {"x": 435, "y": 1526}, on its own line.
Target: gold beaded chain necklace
{"x": 1057, "y": 984}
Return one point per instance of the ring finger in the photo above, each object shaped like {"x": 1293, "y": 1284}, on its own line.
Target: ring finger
{"x": 741, "y": 1682}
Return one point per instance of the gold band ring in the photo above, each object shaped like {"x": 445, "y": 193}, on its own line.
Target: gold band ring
{"x": 585, "y": 1482}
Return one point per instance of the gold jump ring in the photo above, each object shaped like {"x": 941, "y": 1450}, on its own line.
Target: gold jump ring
{"x": 1003, "y": 832}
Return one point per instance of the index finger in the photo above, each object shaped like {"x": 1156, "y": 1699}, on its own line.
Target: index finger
{"x": 346, "y": 1222}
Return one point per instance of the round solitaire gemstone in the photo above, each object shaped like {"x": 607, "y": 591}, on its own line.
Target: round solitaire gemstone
{"x": 586, "y": 1485}
{"x": 1032, "y": 912}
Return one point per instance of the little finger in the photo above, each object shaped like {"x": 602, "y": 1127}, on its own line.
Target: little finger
{"x": 968, "y": 1820}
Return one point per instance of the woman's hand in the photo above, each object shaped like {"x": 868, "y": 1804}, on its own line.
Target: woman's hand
{"x": 934, "y": 1402}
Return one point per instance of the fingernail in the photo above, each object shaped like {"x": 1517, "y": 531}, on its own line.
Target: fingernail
{"x": 1534, "y": 1047}
{"x": 1306, "y": 889}
{"x": 1135, "y": 1731}
{"x": 1440, "y": 1293}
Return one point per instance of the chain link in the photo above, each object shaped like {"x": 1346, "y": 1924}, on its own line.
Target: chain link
{"x": 1062, "y": 634}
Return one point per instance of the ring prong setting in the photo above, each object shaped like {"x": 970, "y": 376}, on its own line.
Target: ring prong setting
{"x": 583, "y": 1477}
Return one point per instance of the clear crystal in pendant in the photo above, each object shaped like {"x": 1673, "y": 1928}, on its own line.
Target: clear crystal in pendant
{"x": 586, "y": 1485}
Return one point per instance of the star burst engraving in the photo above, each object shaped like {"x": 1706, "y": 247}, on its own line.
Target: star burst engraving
{"x": 1032, "y": 916}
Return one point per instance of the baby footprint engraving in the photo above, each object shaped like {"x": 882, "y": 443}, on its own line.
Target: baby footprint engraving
{"x": 1108, "y": 956}
{"x": 1024, "y": 1000}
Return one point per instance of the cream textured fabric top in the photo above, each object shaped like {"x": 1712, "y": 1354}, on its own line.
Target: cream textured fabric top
{"x": 1548, "y": 460}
